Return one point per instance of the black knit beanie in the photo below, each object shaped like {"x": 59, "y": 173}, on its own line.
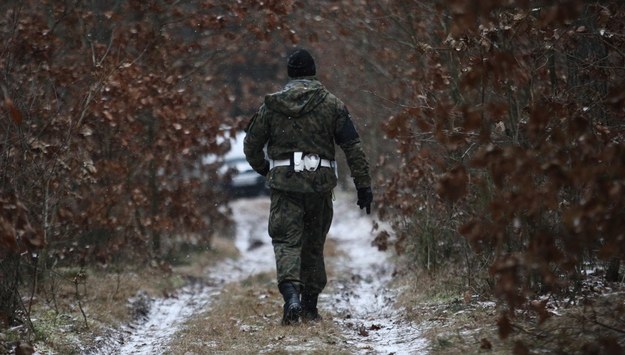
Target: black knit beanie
{"x": 301, "y": 63}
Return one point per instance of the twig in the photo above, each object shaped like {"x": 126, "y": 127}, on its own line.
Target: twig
{"x": 31, "y": 326}
{"x": 32, "y": 292}
{"x": 255, "y": 311}
{"x": 84, "y": 316}
{"x": 118, "y": 283}
{"x": 609, "y": 327}
{"x": 108, "y": 49}
{"x": 518, "y": 327}
{"x": 53, "y": 293}
{"x": 467, "y": 151}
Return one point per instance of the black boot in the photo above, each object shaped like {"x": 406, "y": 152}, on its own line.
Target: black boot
{"x": 309, "y": 308}
{"x": 292, "y": 305}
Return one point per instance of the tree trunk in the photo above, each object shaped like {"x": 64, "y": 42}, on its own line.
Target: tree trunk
{"x": 9, "y": 276}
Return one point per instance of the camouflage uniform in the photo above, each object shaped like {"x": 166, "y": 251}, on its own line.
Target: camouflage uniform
{"x": 303, "y": 117}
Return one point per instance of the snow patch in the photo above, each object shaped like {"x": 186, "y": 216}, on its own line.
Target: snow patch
{"x": 364, "y": 302}
{"x": 152, "y": 333}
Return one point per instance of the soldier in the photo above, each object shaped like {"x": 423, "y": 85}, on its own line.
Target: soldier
{"x": 300, "y": 126}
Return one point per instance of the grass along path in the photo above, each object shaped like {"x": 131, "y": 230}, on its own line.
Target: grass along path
{"x": 357, "y": 306}
{"x": 165, "y": 316}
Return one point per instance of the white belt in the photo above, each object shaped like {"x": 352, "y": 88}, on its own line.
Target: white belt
{"x": 304, "y": 162}
{"x": 287, "y": 162}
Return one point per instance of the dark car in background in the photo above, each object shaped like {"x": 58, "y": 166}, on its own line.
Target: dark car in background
{"x": 243, "y": 180}
{"x": 239, "y": 179}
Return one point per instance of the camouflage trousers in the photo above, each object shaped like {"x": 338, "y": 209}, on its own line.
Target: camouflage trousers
{"x": 298, "y": 225}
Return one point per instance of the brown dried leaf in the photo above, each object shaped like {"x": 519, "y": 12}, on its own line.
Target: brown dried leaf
{"x": 24, "y": 348}
{"x": 540, "y": 307}
{"x": 453, "y": 185}
{"x": 472, "y": 119}
{"x": 381, "y": 241}
{"x": 520, "y": 348}
{"x": 33, "y": 239}
{"x": 485, "y": 344}
{"x": 504, "y": 326}
{"x": 15, "y": 114}
{"x": 7, "y": 236}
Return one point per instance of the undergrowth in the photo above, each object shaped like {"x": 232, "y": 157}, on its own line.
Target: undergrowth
{"x": 72, "y": 306}
{"x": 457, "y": 320}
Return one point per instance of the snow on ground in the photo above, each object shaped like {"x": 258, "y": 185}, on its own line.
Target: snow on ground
{"x": 152, "y": 334}
{"x": 360, "y": 302}
{"x": 364, "y": 303}
{"x": 164, "y": 318}
{"x": 256, "y": 253}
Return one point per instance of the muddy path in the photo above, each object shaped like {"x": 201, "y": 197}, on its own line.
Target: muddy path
{"x": 357, "y": 297}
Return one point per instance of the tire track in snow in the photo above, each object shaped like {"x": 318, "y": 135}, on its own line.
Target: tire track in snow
{"x": 152, "y": 334}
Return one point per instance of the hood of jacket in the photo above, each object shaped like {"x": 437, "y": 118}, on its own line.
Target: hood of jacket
{"x": 298, "y": 97}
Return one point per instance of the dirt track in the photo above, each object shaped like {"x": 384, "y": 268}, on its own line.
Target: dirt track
{"x": 357, "y": 298}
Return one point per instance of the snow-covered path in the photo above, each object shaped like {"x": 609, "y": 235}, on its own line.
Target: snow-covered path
{"x": 167, "y": 315}
{"x": 357, "y": 297}
{"x": 362, "y": 302}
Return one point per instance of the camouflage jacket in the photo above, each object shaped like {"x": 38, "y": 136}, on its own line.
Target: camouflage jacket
{"x": 304, "y": 117}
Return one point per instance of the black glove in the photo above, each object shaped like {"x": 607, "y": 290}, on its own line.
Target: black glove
{"x": 365, "y": 197}
{"x": 264, "y": 170}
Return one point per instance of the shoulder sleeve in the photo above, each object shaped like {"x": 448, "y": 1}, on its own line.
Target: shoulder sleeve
{"x": 257, "y": 134}
{"x": 345, "y": 131}
{"x": 348, "y": 139}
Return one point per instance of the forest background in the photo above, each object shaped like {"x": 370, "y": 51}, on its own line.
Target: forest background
{"x": 501, "y": 158}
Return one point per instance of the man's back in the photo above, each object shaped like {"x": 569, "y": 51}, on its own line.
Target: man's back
{"x": 304, "y": 119}
{"x": 300, "y": 126}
